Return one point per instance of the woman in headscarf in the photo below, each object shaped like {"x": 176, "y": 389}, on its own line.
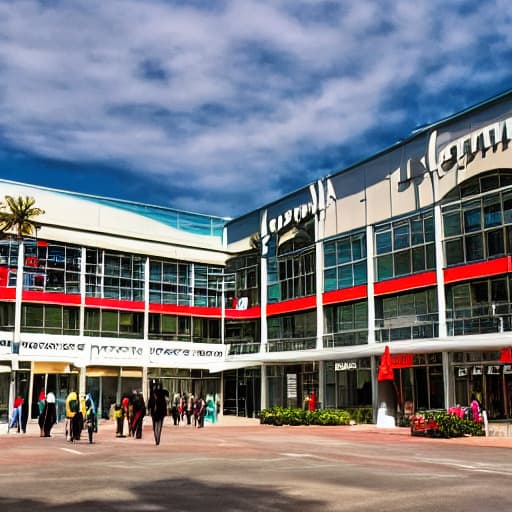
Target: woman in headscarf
{"x": 48, "y": 417}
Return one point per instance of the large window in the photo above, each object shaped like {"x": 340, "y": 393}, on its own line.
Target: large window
{"x": 346, "y": 324}
{"x": 49, "y": 319}
{"x": 246, "y": 271}
{"x": 291, "y": 276}
{"x": 113, "y": 323}
{"x": 292, "y": 332}
{"x": 405, "y": 246}
{"x": 479, "y": 307}
{"x": 169, "y": 327}
{"x": 407, "y": 316}
{"x": 114, "y": 275}
{"x": 48, "y": 267}
{"x": 345, "y": 262}
{"x": 478, "y": 224}
{"x": 169, "y": 282}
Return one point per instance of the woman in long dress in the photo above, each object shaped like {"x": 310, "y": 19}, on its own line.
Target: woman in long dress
{"x": 48, "y": 417}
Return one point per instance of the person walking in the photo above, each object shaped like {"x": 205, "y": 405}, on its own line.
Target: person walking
{"x": 73, "y": 417}
{"x": 90, "y": 417}
{"x": 16, "y": 414}
{"x": 157, "y": 407}
{"x": 48, "y": 416}
{"x": 139, "y": 411}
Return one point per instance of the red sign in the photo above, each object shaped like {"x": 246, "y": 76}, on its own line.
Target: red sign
{"x": 506, "y": 355}
{"x": 402, "y": 360}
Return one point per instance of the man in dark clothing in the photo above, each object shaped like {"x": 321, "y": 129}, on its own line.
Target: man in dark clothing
{"x": 157, "y": 407}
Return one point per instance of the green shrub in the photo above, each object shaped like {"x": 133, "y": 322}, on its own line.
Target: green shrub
{"x": 295, "y": 416}
{"x": 450, "y": 425}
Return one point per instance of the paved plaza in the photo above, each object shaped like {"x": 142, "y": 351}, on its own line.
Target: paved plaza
{"x": 239, "y": 465}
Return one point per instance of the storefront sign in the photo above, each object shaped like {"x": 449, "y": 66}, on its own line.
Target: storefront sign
{"x": 344, "y": 366}
{"x": 65, "y": 350}
{"x": 115, "y": 352}
{"x": 402, "y": 360}
{"x": 185, "y": 354}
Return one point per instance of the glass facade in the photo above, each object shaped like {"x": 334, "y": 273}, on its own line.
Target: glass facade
{"x": 405, "y": 246}
{"x": 345, "y": 262}
{"x": 478, "y": 224}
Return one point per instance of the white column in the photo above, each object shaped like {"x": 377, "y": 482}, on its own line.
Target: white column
{"x": 441, "y": 299}
{"x": 319, "y": 276}
{"x": 19, "y": 291}
{"x": 146, "y": 300}
{"x": 81, "y": 320}
{"x": 370, "y": 273}
{"x": 263, "y": 304}
{"x": 264, "y": 387}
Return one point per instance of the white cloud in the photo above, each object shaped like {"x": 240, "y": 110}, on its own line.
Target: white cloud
{"x": 229, "y": 96}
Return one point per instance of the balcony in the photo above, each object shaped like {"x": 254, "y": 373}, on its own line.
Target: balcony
{"x": 291, "y": 344}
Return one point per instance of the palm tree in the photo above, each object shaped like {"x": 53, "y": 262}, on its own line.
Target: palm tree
{"x": 17, "y": 214}
{"x": 17, "y": 217}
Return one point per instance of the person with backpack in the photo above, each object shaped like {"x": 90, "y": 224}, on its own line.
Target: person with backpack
{"x": 73, "y": 417}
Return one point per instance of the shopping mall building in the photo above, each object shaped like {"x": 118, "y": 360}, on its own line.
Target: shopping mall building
{"x": 410, "y": 248}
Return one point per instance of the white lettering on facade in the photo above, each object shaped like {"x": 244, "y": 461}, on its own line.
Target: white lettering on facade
{"x": 298, "y": 213}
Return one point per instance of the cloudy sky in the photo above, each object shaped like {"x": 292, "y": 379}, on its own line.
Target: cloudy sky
{"x": 222, "y": 106}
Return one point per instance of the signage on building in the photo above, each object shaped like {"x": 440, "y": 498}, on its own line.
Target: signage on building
{"x": 63, "y": 350}
{"x": 402, "y": 360}
{"x": 5, "y": 347}
{"x": 185, "y": 355}
{"x": 298, "y": 214}
{"x": 344, "y": 366}
{"x": 291, "y": 385}
{"x": 459, "y": 152}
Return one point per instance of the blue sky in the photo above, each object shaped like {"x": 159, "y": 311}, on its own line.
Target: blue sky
{"x": 220, "y": 107}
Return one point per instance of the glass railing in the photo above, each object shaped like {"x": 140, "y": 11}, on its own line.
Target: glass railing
{"x": 291, "y": 344}
{"x": 480, "y": 319}
{"x": 346, "y": 338}
{"x": 243, "y": 347}
{"x": 407, "y": 327}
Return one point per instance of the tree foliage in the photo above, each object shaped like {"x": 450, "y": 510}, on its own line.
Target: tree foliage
{"x": 17, "y": 215}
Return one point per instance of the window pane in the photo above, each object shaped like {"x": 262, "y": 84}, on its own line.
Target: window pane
{"x": 452, "y": 223}
{"x": 360, "y": 273}
{"x": 344, "y": 253}
{"x": 358, "y": 249}
{"x": 330, "y": 279}
{"x": 418, "y": 259}
{"x": 429, "y": 229}
{"x": 492, "y": 212}
{"x": 507, "y": 208}
{"x": 454, "y": 252}
{"x": 384, "y": 267}
{"x": 401, "y": 236}
{"x": 402, "y": 263}
{"x": 474, "y": 247}
{"x": 472, "y": 214}
{"x": 345, "y": 276}
{"x": 383, "y": 242}
{"x": 495, "y": 243}
{"x": 417, "y": 231}
{"x": 330, "y": 254}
